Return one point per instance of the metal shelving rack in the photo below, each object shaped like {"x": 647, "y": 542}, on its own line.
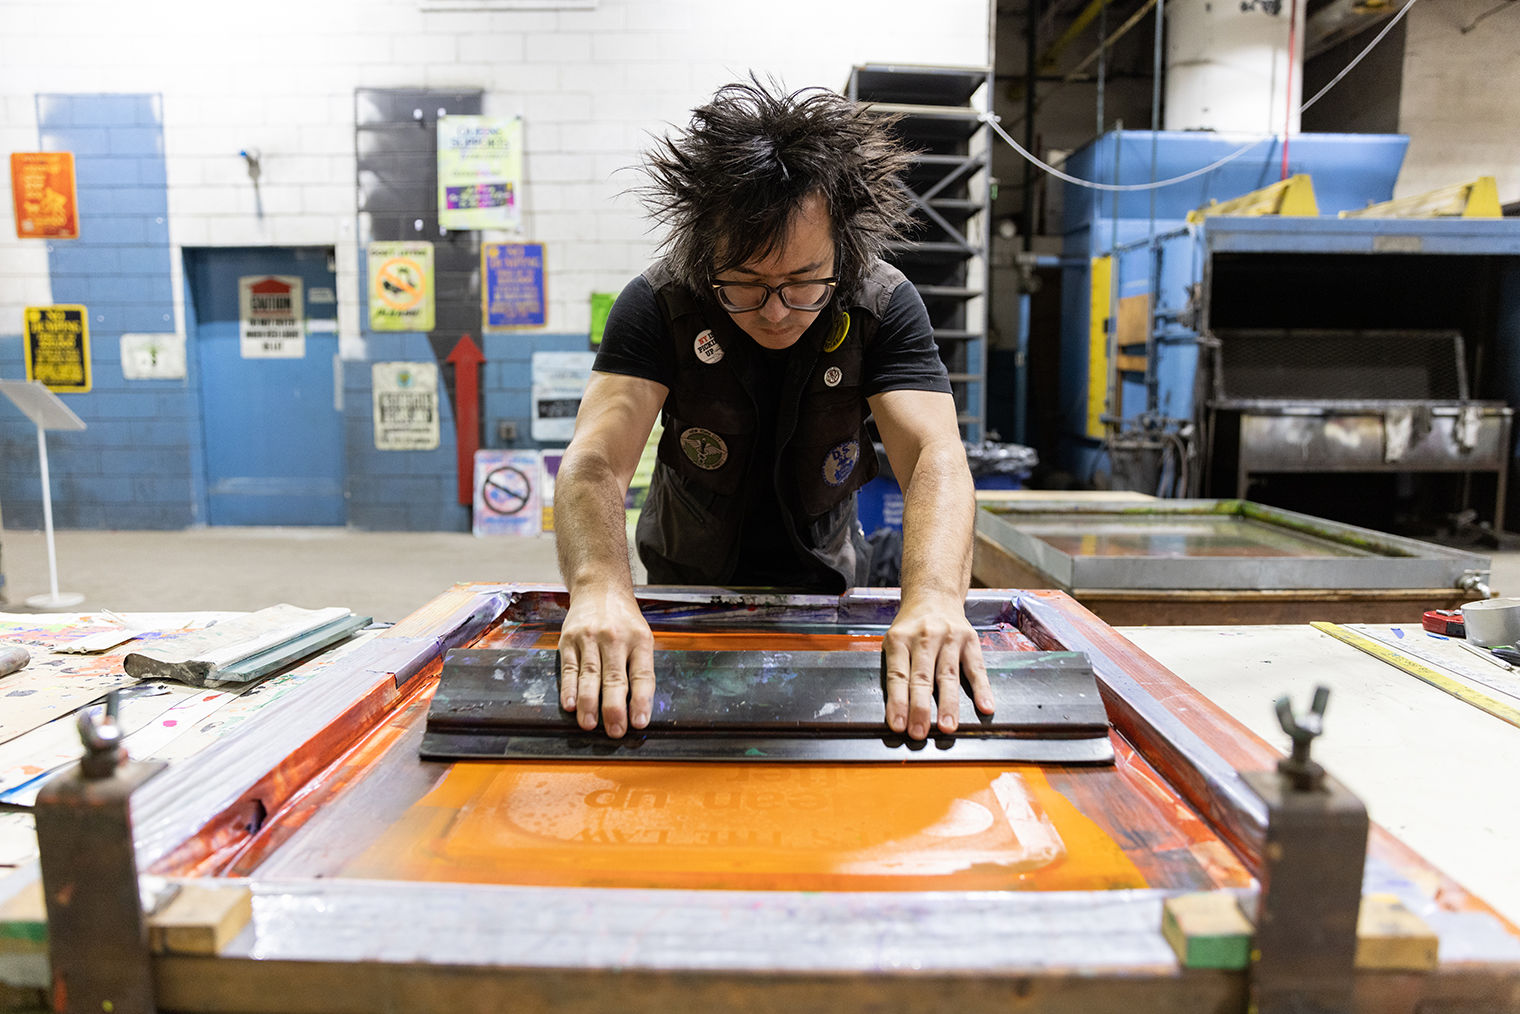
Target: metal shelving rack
{"x": 940, "y": 112}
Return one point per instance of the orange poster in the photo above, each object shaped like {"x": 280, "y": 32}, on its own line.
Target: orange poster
{"x": 42, "y": 188}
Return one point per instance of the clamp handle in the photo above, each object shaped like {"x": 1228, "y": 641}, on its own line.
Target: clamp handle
{"x": 103, "y": 750}
{"x": 1304, "y": 773}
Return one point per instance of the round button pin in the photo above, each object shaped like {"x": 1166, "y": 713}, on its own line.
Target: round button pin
{"x": 708, "y": 349}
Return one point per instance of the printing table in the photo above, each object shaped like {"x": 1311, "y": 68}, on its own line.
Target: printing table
{"x": 381, "y": 881}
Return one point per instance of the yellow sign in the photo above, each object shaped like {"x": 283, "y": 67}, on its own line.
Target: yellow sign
{"x": 58, "y": 348}
{"x": 401, "y": 286}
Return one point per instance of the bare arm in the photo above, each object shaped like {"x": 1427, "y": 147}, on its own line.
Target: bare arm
{"x": 931, "y": 643}
{"x": 605, "y": 645}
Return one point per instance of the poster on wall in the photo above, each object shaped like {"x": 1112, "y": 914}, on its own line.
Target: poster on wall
{"x": 405, "y": 406}
{"x": 153, "y": 356}
{"x": 506, "y": 493}
{"x": 271, "y": 317}
{"x": 558, "y": 382}
{"x": 480, "y": 172}
{"x": 549, "y": 472}
{"x": 401, "y": 286}
{"x": 57, "y": 347}
{"x": 44, "y": 195}
{"x": 512, "y": 285}
{"x": 601, "y": 307}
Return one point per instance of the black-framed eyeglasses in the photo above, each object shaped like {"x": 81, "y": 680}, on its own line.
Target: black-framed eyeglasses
{"x": 808, "y": 294}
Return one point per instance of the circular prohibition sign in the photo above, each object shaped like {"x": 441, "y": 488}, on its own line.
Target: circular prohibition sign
{"x": 400, "y": 283}
{"x": 506, "y": 490}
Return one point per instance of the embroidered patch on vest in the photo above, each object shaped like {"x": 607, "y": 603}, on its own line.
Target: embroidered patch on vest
{"x": 836, "y": 337}
{"x": 708, "y": 349}
{"x": 840, "y": 462}
{"x": 704, "y": 447}
{"x": 832, "y": 376}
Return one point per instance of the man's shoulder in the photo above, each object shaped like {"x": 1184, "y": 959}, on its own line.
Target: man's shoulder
{"x": 668, "y": 290}
{"x": 881, "y": 281}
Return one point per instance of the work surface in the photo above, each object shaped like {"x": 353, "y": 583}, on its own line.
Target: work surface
{"x": 337, "y": 870}
{"x": 1421, "y": 759}
{"x": 1431, "y": 768}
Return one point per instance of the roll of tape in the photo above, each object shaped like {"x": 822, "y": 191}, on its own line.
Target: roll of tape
{"x": 1492, "y": 622}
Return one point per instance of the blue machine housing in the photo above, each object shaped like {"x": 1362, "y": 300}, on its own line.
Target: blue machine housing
{"x": 1261, "y": 271}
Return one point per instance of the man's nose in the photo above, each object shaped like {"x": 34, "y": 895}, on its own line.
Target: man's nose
{"x": 774, "y": 309}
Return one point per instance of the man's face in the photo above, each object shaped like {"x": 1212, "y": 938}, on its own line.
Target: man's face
{"x": 807, "y": 252}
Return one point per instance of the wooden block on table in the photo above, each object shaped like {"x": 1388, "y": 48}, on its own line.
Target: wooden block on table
{"x": 1389, "y": 937}
{"x": 200, "y": 920}
{"x": 1207, "y": 930}
{"x": 23, "y": 921}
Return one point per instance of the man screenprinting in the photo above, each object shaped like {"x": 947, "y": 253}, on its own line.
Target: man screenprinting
{"x": 767, "y": 333}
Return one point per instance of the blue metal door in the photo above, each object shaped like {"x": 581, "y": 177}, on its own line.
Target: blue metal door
{"x": 273, "y": 426}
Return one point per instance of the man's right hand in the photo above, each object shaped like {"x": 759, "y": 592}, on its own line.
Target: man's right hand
{"x": 606, "y": 651}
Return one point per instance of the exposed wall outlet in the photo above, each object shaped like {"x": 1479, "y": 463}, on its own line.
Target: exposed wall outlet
{"x": 506, "y": 430}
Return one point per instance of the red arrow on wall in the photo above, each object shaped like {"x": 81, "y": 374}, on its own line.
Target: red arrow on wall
{"x": 466, "y": 359}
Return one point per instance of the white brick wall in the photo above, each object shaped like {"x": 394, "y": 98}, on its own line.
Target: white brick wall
{"x": 23, "y": 263}
{"x": 593, "y": 85}
{"x": 1460, "y": 103}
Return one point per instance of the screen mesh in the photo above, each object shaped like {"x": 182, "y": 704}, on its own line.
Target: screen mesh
{"x": 1341, "y": 365}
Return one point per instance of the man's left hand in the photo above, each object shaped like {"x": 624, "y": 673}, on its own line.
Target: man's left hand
{"x": 929, "y": 647}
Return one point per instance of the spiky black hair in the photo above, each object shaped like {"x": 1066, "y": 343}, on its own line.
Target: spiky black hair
{"x": 728, "y": 187}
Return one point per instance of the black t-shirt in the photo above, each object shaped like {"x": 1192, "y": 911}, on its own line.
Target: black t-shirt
{"x": 902, "y": 356}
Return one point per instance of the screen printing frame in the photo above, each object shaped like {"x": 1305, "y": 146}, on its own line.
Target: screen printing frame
{"x": 1390, "y": 561}
{"x": 328, "y": 945}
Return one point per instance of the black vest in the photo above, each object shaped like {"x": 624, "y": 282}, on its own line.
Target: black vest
{"x": 688, "y": 532}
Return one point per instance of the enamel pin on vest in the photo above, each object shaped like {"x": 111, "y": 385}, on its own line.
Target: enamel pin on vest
{"x": 837, "y": 336}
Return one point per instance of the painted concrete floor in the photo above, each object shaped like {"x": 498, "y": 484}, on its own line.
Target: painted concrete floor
{"x": 381, "y": 574}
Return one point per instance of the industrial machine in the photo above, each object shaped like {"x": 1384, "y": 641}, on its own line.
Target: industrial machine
{"x": 1259, "y": 317}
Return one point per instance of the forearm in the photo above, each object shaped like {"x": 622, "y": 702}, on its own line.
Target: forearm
{"x": 939, "y": 506}
{"x": 591, "y": 534}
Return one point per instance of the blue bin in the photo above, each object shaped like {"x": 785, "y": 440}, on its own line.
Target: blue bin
{"x": 993, "y": 466}
{"x": 880, "y": 504}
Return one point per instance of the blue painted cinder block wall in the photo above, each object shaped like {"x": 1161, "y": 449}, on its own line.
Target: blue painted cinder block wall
{"x": 417, "y": 490}
{"x": 140, "y": 462}
{"x": 136, "y": 465}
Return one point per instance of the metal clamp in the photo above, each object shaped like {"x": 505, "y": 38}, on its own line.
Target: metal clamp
{"x": 97, "y": 931}
{"x": 1311, "y": 877}
{"x": 103, "y": 749}
{"x": 1303, "y": 773}
{"x": 1475, "y": 583}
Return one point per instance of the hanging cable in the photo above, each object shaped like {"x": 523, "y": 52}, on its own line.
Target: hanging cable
{"x": 1485, "y": 16}
{"x": 991, "y": 119}
{"x": 1347, "y": 69}
{"x": 1288, "y": 101}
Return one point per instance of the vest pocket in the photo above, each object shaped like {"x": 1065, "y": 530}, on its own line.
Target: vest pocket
{"x": 830, "y": 465}
{"x": 706, "y": 456}
{"x": 679, "y": 540}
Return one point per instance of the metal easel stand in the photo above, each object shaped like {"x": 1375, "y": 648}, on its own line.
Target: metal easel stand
{"x": 47, "y": 412}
